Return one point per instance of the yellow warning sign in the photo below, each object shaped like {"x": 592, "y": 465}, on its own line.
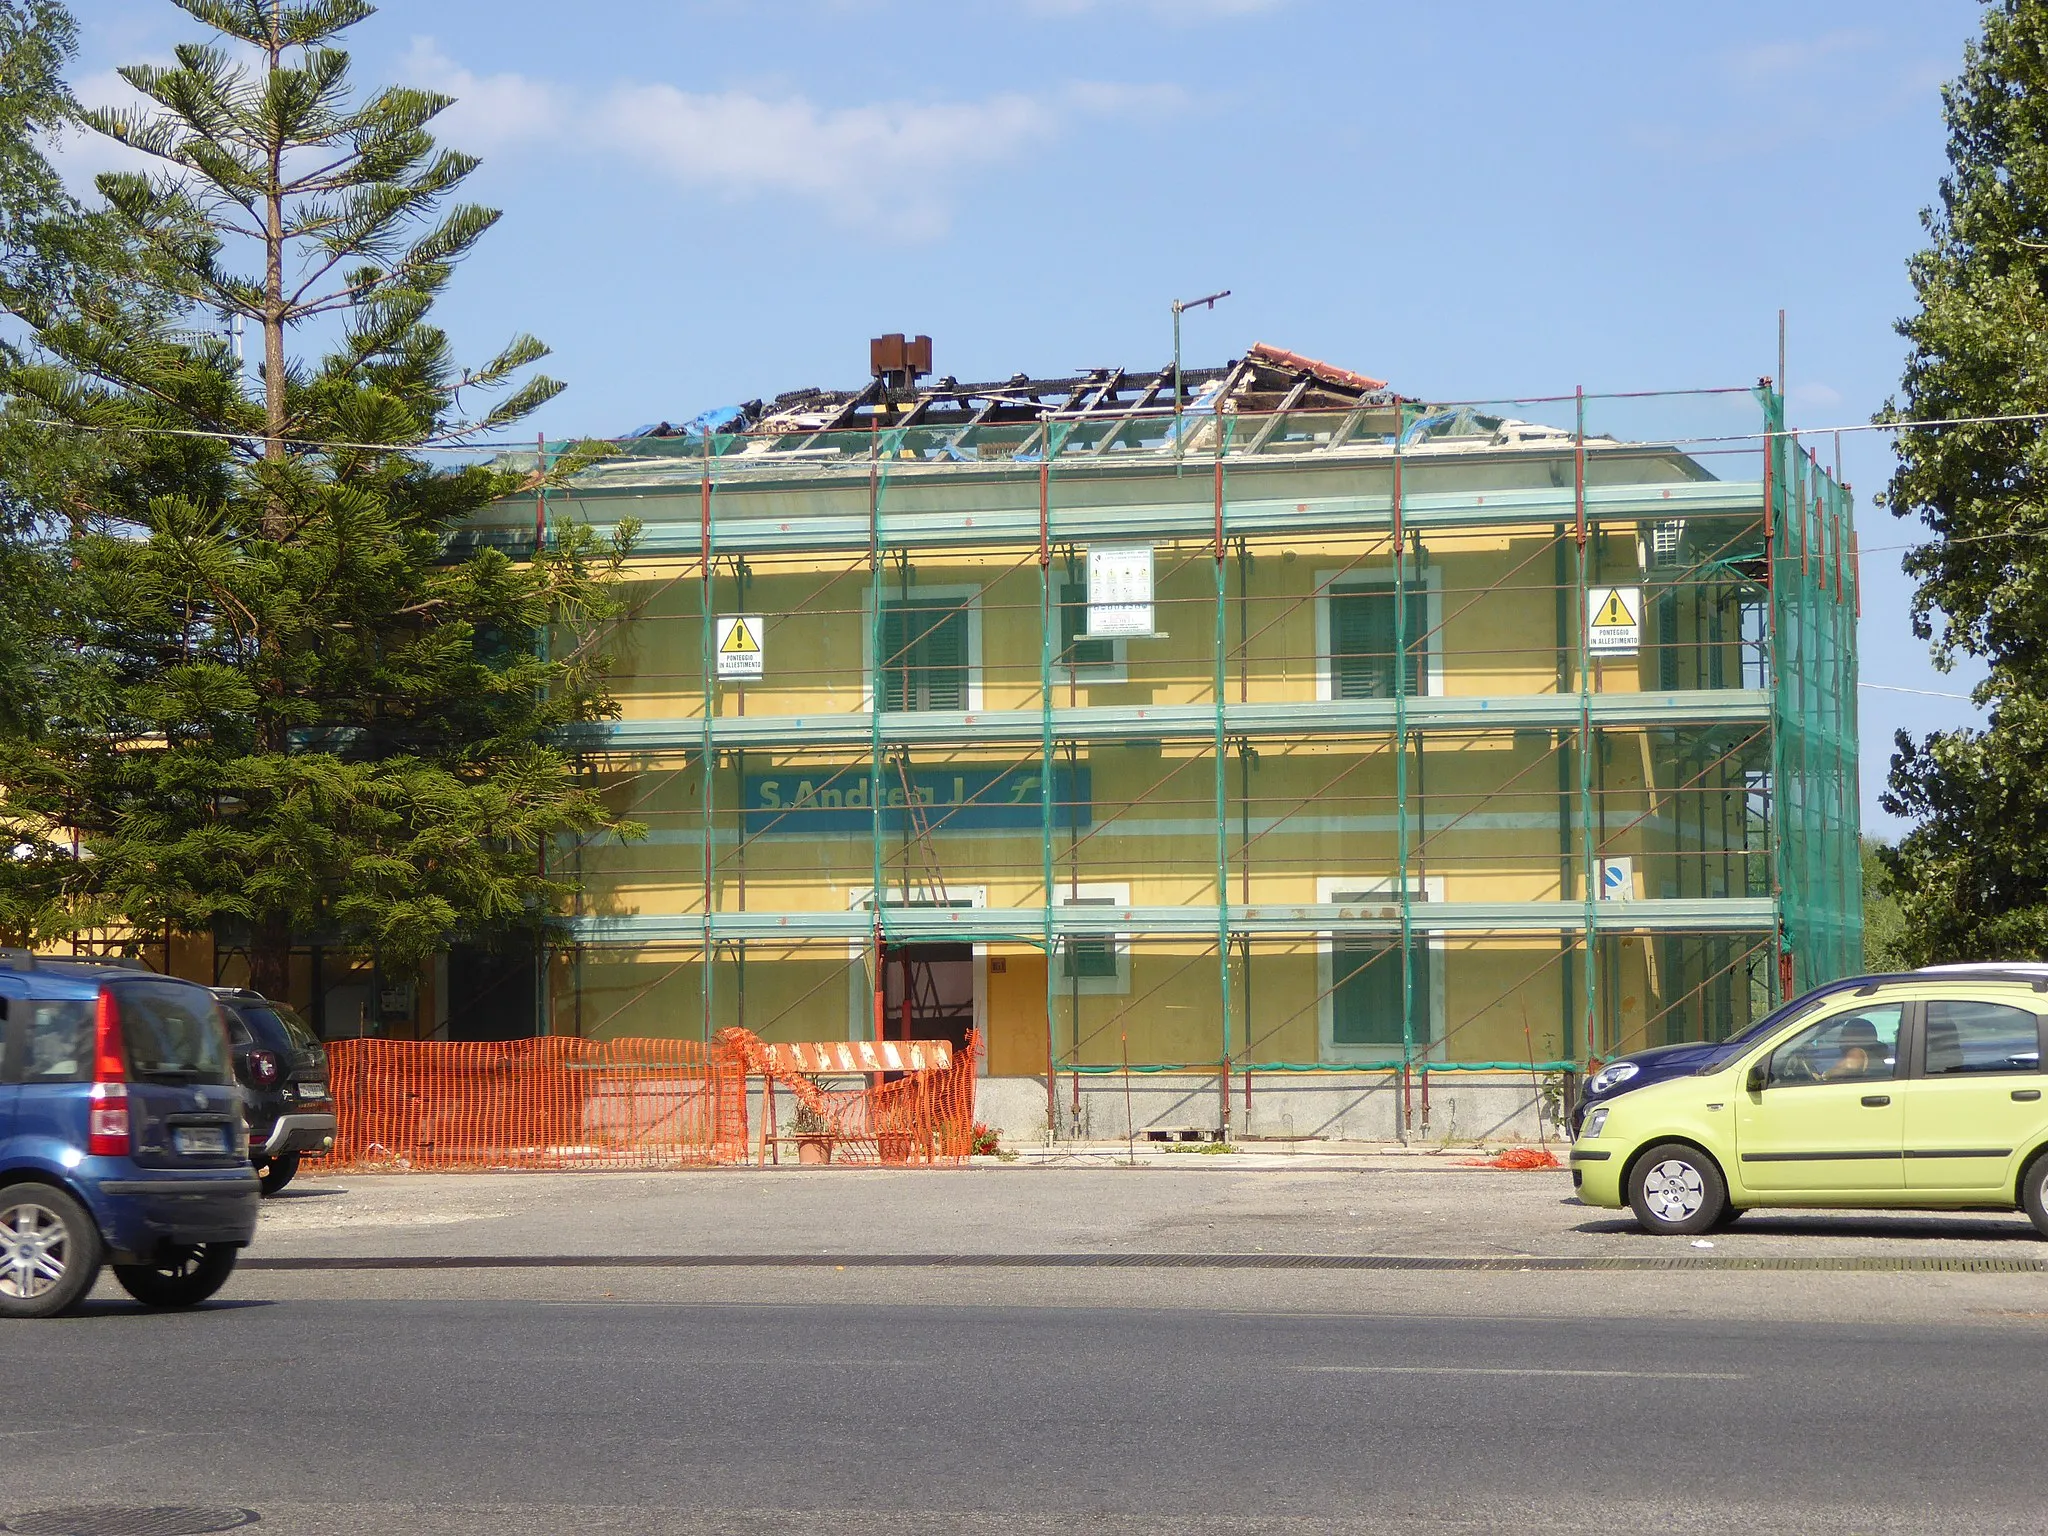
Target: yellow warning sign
{"x": 1614, "y": 612}
{"x": 739, "y": 646}
{"x": 1614, "y": 620}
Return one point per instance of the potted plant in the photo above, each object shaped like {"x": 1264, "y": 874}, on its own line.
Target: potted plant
{"x": 813, "y": 1135}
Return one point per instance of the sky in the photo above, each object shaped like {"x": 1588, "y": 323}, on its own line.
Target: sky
{"x": 710, "y": 202}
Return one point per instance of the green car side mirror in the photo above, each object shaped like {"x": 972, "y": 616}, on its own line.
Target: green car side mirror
{"x": 1759, "y": 1077}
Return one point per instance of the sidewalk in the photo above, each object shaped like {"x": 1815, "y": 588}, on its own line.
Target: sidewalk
{"x": 1356, "y": 1156}
{"x": 1088, "y": 1201}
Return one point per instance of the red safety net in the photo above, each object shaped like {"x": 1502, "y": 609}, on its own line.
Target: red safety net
{"x": 559, "y": 1102}
{"x": 1517, "y": 1160}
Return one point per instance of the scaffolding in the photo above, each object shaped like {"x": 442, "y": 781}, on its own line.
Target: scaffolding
{"x": 1379, "y": 796}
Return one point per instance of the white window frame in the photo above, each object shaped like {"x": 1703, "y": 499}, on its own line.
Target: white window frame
{"x": 1337, "y": 890}
{"x": 860, "y": 997}
{"x": 1336, "y": 583}
{"x": 1096, "y": 894}
{"x": 1116, "y": 670}
{"x": 966, "y": 595}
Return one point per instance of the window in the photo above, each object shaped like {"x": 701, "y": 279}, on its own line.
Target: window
{"x": 1858, "y": 1047}
{"x": 56, "y": 1039}
{"x": 1366, "y": 1005}
{"x": 1093, "y": 660}
{"x": 1356, "y": 644}
{"x": 929, "y": 651}
{"x": 1094, "y": 965}
{"x": 1981, "y": 1037}
{"x": 173, "y": 1033}
{"x": 924, "y": 654}
{"x": 1369, "y": 987}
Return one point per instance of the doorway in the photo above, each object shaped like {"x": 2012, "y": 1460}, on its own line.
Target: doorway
{"x": 928, "y": 992}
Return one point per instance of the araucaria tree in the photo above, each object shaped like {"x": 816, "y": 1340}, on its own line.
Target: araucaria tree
{"x": 285, "y": 697}
{"x": 1972, "y": 877}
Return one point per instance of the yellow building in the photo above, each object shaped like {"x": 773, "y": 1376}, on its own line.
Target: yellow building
{"x": 1338, "y": 763}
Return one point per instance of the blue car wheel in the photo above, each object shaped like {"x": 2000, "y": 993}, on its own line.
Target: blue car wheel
{"x": 50, "y": 1251}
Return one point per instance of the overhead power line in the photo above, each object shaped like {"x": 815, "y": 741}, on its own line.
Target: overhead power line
{"x": 517, "y": 446}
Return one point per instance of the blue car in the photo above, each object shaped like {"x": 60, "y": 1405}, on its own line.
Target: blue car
{"x": 121, "y": 1137}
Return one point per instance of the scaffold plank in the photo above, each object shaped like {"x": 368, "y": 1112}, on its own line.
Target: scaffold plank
{"x": 1028, "y": 924}
{"x": 1304, "y": 719}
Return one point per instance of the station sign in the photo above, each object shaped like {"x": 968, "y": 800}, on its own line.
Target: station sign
{"x": 806, "y": 802}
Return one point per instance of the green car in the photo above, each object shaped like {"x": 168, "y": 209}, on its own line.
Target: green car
{"x": 1920, "y": 1091}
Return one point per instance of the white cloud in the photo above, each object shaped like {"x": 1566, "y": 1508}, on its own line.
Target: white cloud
{"x": 80, "y": 154}
{"x": 882, "y": 164}
{"x": 1766, "y": 63}
{"x": 490, "y": 111}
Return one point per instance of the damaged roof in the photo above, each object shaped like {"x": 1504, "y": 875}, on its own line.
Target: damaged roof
{"x": 1269, "y": 401}
{"x": 1265, "y": 379}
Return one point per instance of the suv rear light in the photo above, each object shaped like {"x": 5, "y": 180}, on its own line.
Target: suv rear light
{"x": 107, "y": 1134}
{"x": 263, "y": 1067}
{"x": 107, "y": 1130}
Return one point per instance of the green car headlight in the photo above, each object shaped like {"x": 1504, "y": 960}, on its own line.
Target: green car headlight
{"x": 1594, "y": 1122}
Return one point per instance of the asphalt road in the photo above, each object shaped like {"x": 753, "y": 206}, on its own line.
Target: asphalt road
{"x": 517, "y": 1416}
{"x": 1061, "y": 1350}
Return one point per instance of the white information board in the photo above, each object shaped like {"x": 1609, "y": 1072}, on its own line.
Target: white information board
{"x": 739, "y": 647}
{"x": 1617, "y": 879}
{"x": 1119, "y": 590}
{"x": 1614, "y": 620}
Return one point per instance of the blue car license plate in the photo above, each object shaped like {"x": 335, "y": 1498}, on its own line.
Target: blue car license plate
{"x": 199, "y": 1141}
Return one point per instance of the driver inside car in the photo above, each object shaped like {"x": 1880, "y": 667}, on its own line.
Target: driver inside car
{"x": 1859, "y": 1054}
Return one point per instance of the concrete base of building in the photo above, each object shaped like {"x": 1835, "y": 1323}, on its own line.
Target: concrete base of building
{"x": 1458, "y": 1107}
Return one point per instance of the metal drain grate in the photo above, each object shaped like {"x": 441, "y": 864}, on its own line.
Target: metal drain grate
{"x": 1846, "y": 1263}
{"x": 130, "y": 1520}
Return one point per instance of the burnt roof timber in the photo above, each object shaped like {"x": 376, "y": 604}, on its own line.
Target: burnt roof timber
{"x": 1274, "y": 421}
{"x": 1145, "y": 397}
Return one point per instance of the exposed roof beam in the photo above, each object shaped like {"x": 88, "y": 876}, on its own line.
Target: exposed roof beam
{"x": 1279, "y": 417}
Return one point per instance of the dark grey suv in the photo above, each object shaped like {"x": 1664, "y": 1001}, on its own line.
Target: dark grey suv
{"x": 282, "y": 1067}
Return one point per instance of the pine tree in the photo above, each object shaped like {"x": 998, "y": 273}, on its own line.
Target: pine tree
{"x": 1972, "y": 876}
{"x": 283, "y": 697}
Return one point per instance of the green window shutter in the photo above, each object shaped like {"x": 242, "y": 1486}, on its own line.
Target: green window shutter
{"x": 1088, "y": 959}
{"x": 924, "y": 645}
{"x": 1366, "y": 1004}
{"x": 1074, "y": 651}
{"x": 1665, "y": 604}
{"x": 1362, "y": 642}
{"x": 942, "y": 655}
{"x": 893, "y": 661}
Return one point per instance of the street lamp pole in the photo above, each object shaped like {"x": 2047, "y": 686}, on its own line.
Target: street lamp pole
{"x": 1179, "y": 305}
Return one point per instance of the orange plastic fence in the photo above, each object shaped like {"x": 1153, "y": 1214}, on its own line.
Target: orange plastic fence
{"x": 558, "y": 1102}
{"x": 925, "y": 1116}
{"x": 552, "y": 1102}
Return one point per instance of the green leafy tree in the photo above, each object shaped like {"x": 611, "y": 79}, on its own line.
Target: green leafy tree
{"x": 1972, "y": 876}
{"x": 283, "y": 693}
{"x": 1883, "y": 924}
{"x": 37, "y": 40}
